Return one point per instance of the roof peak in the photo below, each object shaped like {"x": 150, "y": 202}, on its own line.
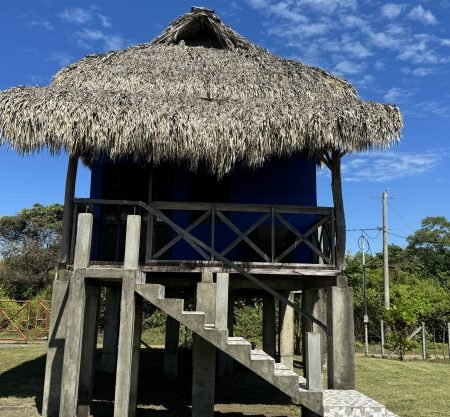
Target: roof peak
{"x": 199, "y": 8}
{"x": 202, "y": 27}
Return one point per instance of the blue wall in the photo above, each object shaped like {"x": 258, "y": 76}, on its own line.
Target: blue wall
{"x": 281, "y": 181}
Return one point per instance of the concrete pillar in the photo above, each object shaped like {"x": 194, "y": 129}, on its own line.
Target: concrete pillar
{"x": 128, "y": 349}
{"x": 222, "y": 286}
{"x": 204, "y": 354}
{"x": 132, "y": 242}
{"x": 269, "y": 324}
{"x": 171, "y": 347}
{"x": 314, "y": 302}
{"x": 203, "y": 378}
{"x": 74, "y": 333}
{"x": 224, "y": 362}
{"x": 341, "y": 352}
{"x": 89, "y": 344}
{"x": 130, "y": 326}
{"x": 287, "y": 332}
{"x": 111, "y": 330}
{"x": 56, "y": 343}
{"x": 313, "y": 368}
{"x": 206, "y": 299}
{"x": 73, "y": 346}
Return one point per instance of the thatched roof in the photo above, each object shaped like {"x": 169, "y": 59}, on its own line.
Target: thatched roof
{"x": 199, "y": 92}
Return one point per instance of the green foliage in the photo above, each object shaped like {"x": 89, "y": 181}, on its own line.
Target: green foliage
{"x": 419, "y": 283}
{"x": 29, "y": 247}
{"x": 248, "y": 319}
{"x": 430, "y": 248}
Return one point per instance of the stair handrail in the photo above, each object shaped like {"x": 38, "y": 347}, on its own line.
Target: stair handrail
{"x": 149, "y": 207}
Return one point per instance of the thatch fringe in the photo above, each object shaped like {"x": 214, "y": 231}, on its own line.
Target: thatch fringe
{"x": 220, "y": 102}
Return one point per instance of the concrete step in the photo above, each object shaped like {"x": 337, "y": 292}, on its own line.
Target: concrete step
{"x": 238, "y": 348}
{"x": 151, "y": 291}
{"x": 351, "y": 403}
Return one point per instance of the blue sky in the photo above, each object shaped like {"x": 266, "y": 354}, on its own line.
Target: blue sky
{"x": 395, "y": 52}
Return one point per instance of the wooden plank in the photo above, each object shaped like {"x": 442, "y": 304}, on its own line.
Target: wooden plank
{"x": 251, "y": 267}
{"x": 169, "y": 205}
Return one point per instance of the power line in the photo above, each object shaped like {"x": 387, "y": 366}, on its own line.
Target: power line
{"x": 400, "y": 217}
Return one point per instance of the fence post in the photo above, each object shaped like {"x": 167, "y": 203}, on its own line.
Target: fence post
{"x": 382, "y": 338}
{"x": 448, "y": 338}
{"x": 424, "y": 341}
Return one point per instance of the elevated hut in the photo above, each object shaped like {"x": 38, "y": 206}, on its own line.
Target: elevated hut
{"x": 203, "y": 150}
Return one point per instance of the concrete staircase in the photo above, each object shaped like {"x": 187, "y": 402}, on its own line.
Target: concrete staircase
{"x": 237, "y": 348}
{"x": 327, "y": 403}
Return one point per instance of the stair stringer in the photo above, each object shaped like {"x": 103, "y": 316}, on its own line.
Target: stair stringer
{"x": 239, "y": 349}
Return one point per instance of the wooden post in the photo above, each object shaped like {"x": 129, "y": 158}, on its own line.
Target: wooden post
{"x": 68, "y": 208}
{"x": 150, "y": 219}
{"x": 336, "y": 185}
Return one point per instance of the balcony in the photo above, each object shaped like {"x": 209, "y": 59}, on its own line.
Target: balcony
{"x": 189, "y": 237}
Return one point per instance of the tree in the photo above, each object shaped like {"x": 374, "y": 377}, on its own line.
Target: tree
{"x": 430, "y": 248}
{"x": 29, "y": 246}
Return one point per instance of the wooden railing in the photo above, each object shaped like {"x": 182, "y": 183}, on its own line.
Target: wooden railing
{"x": 250, "y": 232}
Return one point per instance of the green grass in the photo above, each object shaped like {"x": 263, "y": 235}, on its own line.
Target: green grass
{"x": 413, "y": 388}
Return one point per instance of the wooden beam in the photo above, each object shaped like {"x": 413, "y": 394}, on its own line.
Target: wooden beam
{"x": 336, "y": 186}
{"x": 68, "y": 208}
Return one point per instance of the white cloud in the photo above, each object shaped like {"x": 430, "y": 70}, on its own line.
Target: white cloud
{"x": 110, "y": 41}
{"x": 348, "y": 67}
{"x": 419, "y": 71}
{"x": 391, "y": 165}
{"x": 61, "y": 58}
{"x": 380, "y": 65}
{"x": 42, "y": 24}
{"x": 329, "y": 6}
{"x": 436, "y": 108}
{"x": 445, "y": 42}
{"x": 75, "y": 15}
{"x": 391, "y": 10}
{"x": 357, "y": 49}
{"x": 283, "y": 9}
{"x": 419, "y": 51}
{"x": 396, "y": 94}
{"x": 422, "y": 15}
{"x": 104, "y": 20}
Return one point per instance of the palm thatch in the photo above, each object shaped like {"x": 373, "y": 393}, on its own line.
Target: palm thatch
{"x": 199, "y": 93}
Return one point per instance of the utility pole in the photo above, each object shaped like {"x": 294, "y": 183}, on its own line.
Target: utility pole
{"x": 366, "y": 317}
{"x": 385, "y": 253}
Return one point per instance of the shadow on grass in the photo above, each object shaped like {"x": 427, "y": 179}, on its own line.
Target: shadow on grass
{"x": 25, "y": 381}
{"x": 157, "y": 396}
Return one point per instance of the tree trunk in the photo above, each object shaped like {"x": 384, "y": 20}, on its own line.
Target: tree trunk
{"x": 68, "y": 208}
{"x": 336, "y": 186}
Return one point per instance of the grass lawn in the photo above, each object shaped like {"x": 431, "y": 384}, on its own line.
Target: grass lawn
{"x": 411, "y": 389}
